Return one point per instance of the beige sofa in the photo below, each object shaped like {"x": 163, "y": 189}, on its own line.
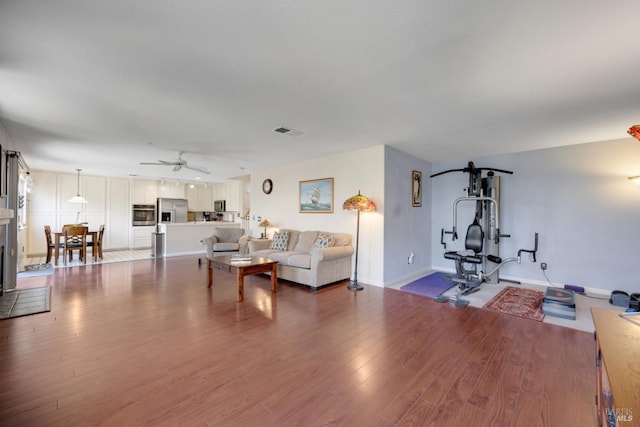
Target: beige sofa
{"x": 225, "y": 240}
{"x": 312, "y": 258}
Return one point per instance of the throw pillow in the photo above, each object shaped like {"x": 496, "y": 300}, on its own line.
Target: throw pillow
{"x": 280, "y": 241}
{"x": 324, "y": 240}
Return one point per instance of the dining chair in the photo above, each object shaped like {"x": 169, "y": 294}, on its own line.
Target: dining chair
{"x": 75, "y": 239}
{"x": 97, "y": 245}
{"x": 50, "y": 245}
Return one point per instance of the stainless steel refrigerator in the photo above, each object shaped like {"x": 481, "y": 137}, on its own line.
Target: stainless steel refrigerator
{"x": 171, "y": 211}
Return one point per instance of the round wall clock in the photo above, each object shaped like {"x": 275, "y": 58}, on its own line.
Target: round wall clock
{"x": 267, "y": 186}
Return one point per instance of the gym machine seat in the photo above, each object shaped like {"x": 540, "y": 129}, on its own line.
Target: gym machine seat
{"x": 473, "y": 247}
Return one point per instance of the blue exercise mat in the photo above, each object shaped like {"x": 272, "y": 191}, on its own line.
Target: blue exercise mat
{"x": 429, "y": 286}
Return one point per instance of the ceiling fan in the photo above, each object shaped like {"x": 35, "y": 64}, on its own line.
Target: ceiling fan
{"x": 178, "y": 164}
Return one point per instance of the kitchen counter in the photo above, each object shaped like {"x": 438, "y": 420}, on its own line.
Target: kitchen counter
{"x": 184, "y": 238}
{"x": 213, "y": 223}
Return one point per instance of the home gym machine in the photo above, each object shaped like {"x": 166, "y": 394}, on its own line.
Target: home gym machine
{"x": 481, "y": 248}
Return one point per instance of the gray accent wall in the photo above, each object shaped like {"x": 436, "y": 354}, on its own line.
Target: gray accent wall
{"x": 578, "y": 199}
{"x": 406, "y": 228}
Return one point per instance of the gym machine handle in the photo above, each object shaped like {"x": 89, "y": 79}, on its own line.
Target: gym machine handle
{"x": 530, "y": 251}
{"x": 442, "y": 233}
{"x": 498, "y": 236}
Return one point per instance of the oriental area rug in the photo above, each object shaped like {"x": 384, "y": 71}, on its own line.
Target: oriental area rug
{"x": 519, "y": 302}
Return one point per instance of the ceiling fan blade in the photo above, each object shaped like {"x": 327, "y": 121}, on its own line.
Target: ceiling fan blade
{"x": 176, "y": 168}
{"x": 198, "y": 169}
{"x": 151, "y": 163}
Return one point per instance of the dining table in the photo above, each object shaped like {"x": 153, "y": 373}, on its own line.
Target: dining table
{"x": 60, "y": 234}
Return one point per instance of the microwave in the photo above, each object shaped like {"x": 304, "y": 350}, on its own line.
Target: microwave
{"x": 219, "y": 205}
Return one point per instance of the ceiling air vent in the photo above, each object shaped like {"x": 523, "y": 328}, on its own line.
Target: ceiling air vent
{"x": 287, "y": 131}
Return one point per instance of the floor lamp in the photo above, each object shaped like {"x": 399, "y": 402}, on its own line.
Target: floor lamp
{"x": 358, "y": 203}
{"x": 634, "y": 131}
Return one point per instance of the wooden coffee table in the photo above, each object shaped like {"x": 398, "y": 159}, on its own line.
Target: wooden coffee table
{"x": 244, "y": 268}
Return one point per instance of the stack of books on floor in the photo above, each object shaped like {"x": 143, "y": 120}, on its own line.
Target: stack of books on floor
{"x": 559, "y": 302}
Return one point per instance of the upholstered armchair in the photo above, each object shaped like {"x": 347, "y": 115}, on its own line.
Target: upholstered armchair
{"x": 226, "y": 239}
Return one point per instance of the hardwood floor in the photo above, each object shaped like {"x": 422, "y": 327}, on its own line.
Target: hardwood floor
{"x": 146, "y": 343}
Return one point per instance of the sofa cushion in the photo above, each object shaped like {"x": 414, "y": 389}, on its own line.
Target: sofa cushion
{"x": 293, "y": 238}
{"x": 299, "y": 260}
{"x": 280, "y": 241}
{"x": 324, "y": 240}
{"x": 280, "y": 256}
{"x": 221, "y": 247}
{"x": 306, "y": 239}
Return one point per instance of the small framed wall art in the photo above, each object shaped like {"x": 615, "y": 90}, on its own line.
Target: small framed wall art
{"x": 416, "y": 188}
{"x": 316, "y": 196}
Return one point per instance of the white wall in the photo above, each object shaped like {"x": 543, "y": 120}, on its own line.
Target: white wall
{"x": 361, "y": 170}
{"x": 577, "y": 198}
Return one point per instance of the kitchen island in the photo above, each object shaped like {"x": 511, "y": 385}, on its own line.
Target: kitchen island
{"x": 184, "y": 238}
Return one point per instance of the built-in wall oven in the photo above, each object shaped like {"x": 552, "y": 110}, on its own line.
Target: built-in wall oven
{"x": 144, "y": 215}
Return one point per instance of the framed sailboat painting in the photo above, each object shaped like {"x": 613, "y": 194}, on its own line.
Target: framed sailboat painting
{"x": 316, "y": 196}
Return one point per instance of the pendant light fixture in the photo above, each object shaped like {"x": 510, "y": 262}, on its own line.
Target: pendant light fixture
{"x": 78, "y": 198}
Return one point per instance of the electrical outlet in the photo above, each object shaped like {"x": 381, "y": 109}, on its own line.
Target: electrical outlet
{"x": 543, "y": 265}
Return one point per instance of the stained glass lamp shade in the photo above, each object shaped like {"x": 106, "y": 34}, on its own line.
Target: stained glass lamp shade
{"x": 634, "y": 131}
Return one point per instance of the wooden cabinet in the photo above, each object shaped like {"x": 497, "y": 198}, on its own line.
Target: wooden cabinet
{"x": 617, "y": 368}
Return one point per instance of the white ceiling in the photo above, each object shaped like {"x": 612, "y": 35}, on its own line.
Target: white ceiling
{"x": 103, "y": 85}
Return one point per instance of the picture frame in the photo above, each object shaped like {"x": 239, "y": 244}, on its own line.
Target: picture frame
{"x": 316, "y": 196}
{"x": 416, "y": 188}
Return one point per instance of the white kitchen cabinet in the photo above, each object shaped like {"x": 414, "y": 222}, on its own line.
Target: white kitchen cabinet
{"x": 141, "y": 237}
{"x": 217, "y": 192}
{"x": 118, "y": 196}
{"x": 171, "y": 190}
{"x": 67, "y": 188}
{"x": 199, "y": 197}
{"x": 233, "y": 199}
{"x": 205, "y": 197}
{"x": 44, "y": 195}
{"x": 145, "y": 192}
{"x": 118, "y": 222}
{"x": 95, "y": 193}
{"x": 229, "y": 192}
{"x": 191, "y": 194}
